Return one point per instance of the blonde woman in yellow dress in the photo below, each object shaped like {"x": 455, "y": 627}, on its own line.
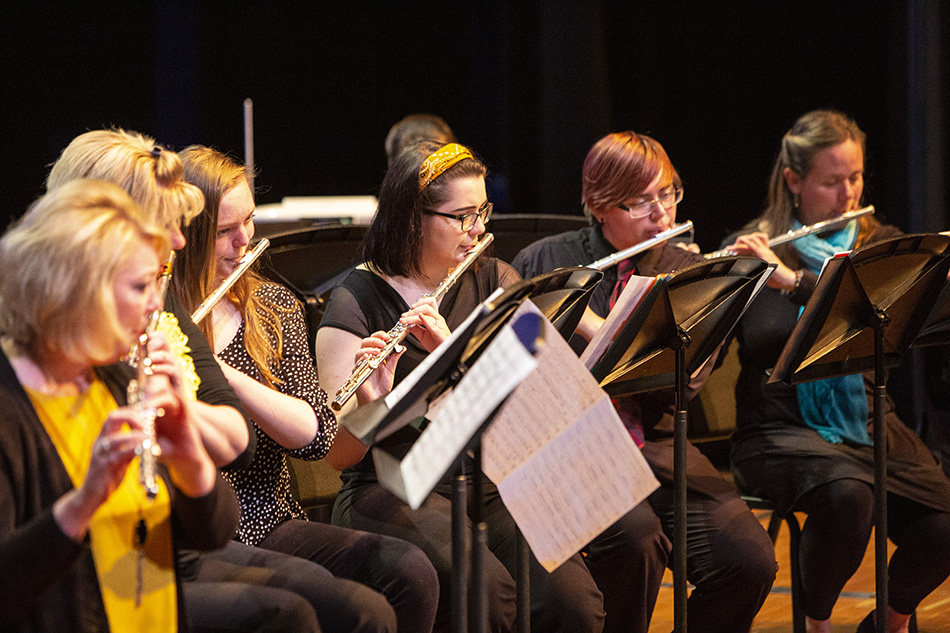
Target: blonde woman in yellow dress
{"x": 82, "y": 546}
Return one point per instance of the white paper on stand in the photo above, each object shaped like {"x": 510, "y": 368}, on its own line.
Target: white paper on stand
{"x": 499, "y": 369}
{"x": 633, "y": 293}
{"x": 564, "y": 464}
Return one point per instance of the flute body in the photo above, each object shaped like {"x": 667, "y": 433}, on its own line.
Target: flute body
{"x": 365, "y": 368}
{"x": 659, "y": 238}
{"x": 249, "y": 258}
{"x": 148, "y": 451}
{"x": 818, "y": 227}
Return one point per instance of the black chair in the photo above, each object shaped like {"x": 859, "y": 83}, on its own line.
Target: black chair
{"x": 514, "y": 231}
{"x": 795, "y": 539}
{"x": 712, "y": 421}
{"x": 313, "y": 261}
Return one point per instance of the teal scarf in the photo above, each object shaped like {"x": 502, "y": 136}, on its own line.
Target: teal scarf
{"x": 837, "y": 408}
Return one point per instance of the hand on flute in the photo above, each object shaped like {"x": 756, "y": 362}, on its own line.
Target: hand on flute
{"x": 112, "y": 452}
{"x": 380, "y": 381}
{"x": 757, "y": 245}
{"x": 427, "y": 324}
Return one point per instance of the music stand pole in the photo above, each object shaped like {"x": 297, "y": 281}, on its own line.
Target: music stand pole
{"x": 461, "y": 551}
{"x": 880, "y": 474}
{"x": 680, "y": 343}
{"x": 891, "y": 284}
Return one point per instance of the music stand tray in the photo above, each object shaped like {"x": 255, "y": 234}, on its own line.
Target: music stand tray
{"x": 680, "y": 322}
{"x": 866, "y": 310}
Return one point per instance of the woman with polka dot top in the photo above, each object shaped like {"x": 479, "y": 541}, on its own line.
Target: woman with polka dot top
{"x": 259, "y": 333}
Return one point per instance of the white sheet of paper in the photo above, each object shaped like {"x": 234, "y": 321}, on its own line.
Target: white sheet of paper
{"x": 577, "y": 485}
{"x": 564, "y": 464}
{"x": 499, "y": 369}
{"x": 633, "y": 293}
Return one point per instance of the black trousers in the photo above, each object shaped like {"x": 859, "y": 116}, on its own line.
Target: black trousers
{"x": 244, "y": 589}
{"x": 730, "y": 562}
{"x": 395, "y": 568}
{"x": 835, "y": 538}
{"x": 566, "y": 600}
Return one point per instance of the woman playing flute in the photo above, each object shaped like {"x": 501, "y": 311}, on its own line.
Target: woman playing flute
{"x": 631, "y": 191}
{"x": 432, "y": 210}
{"x": 238, "y": 588}
{"x": 808, "y": 447}
{"x": 82, "y": 547}
{"x": 259, "y": 333}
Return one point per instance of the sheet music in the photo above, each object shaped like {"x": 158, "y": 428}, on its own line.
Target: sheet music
{"x": 460, "y": 414}
{"x": 564, "y": 464}
{"x": 577, "y": 486}
{"x": 633, "y": 293}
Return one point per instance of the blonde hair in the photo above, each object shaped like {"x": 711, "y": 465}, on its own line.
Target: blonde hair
{"x": 151, "y": 175}
{"x": 194, "y": 273}
{"x": 60, "y": 262}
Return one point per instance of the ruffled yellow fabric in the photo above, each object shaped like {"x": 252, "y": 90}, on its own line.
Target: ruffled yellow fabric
{"x": 178, "y": 341}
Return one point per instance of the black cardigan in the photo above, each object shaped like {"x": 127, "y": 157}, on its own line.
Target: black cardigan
{"x": 47, "y": 581}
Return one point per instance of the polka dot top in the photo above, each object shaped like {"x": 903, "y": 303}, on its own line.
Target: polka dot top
{"x": 263, "y": 488}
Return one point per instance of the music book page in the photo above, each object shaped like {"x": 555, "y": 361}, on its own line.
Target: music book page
{"x": 633, "y": 293}
{"x": 459, "y": 415}
{"x": 563, "y": 462}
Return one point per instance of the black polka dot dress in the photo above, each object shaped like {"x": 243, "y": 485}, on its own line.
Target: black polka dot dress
{"x": 263, "y": 489}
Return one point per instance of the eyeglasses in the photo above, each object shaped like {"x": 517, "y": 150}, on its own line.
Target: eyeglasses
{"x": 643, "y": 208}
{"x": 467, "y": 220}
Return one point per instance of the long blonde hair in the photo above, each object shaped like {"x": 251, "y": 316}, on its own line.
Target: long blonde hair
{"x": 193, "y": 277}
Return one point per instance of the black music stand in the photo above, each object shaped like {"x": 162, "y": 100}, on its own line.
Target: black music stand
{"x": 387, "y": 426}
{"x": 562, "y": 296}
{"x": 936, "y": 330}
{"x": 680, "y": 322}
{"x": 865, "y": 312}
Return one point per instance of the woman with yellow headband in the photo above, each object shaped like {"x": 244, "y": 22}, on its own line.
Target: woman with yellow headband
{"x": 432, "y": 210}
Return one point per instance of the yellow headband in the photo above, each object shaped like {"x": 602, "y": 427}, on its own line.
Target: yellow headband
{"x": 436, "y": 164}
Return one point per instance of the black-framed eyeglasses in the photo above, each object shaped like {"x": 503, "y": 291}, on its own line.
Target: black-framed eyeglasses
{"x": 467, "y": 220}
{"x": 644, "y": 207}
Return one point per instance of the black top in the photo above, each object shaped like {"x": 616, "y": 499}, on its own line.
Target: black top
{"x": 263, "y": 488}
{"x": 213, "y": 387}
{"x": 364, "y": 303}
{"x": 585, "y": 246}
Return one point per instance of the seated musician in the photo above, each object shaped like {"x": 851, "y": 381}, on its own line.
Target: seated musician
{"x": 258, "y": 331}
{"x": 630, "y": 191}
{"x": 432, "y": 210}
{"x": 807, "y": 447}
{"x": 82, "y": 546}
{"x": 238, "y": 588}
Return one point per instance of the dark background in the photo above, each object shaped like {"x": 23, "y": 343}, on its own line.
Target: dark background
{"x": 529, "y": 85}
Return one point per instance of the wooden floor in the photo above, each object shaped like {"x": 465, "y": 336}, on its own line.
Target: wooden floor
{"x": 856, "y": 601}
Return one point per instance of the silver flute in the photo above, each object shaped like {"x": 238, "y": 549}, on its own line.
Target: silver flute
{"x": 148, "y": 451}
{"x": 249, "y": 258}
{"x": 817, "y": 227}
{"x": 659, "y": 238}
{"x": 365, "y": 368}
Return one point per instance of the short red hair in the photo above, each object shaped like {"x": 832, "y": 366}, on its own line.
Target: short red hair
{"x": 621, "y": 166}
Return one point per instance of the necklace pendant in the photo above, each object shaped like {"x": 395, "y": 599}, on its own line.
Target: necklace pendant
{"x": 139, "y": 538}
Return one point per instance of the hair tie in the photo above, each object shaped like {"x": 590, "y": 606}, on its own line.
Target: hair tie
{"x": 439, "y": 161}
{"x": 156, "y": 151}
